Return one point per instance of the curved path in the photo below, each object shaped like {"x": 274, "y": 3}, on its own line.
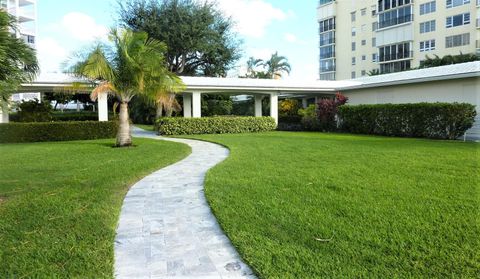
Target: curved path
{"x": 166, "y": 227}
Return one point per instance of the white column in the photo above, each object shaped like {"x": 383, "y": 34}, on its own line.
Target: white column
{"x": 196, "y": 104}
{"x": 187, "y": 105}
{"x": 274, "y": 106}
{"x": 304, "y": 102}
{"x": 258, "y": 105}
{"x": 4, "y": 118}
{"x": 103, "y": 107}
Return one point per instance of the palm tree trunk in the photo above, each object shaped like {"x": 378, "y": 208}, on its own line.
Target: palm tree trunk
{"x": 159, "y": 110}
{"x": 124, "y": 138}
{"x": 169, "y": 108}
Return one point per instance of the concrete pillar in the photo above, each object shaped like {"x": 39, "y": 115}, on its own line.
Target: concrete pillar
{"x": 4, "y": 117}
{"x": 187, "y": 105}
{"x": 258, "y": 105}
{"x": 274, "y": 106}
{"x": 196, "y": 104}
{"x": 304, "y": 102}
{"x": 103, "y": 107}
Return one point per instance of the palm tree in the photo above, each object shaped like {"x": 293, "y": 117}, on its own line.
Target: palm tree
{"x": 277, "y": 65}
{"x": 252, "y": 66}
{"x": 18, "y": 61}
{"x": 135, "y": 65}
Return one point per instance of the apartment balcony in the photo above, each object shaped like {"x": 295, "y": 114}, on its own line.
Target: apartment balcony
{"x": 23, "y": 3}
{"x": 395, "y": 21}
{"x": 396, "y": 56}
{"x": 25, "y": 15}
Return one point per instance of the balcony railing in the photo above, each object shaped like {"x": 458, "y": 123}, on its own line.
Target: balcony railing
{"x": 395, "y": 21}
{"x": 396, "y": 56}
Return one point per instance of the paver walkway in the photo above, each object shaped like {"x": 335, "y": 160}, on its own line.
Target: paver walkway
{"x": 166, "y": 227}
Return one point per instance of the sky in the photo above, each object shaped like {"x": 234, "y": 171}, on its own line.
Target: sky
{"x": 264, "y": 26}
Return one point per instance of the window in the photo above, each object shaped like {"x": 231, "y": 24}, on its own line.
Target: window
{"x": 394, "y": 17}
{"x": 364, "y": 73}
{"x": 395, "y": 52}
{"x": 455, "y": 3}
{"x": 363, "y": 11}
{"x": 374, "y": 42}
{"x": 374, "y": 10}
{"x": 457, "y": 40}
{"x": 327, "y": 25}
{"x": 458, "y": 20}
{"x": 327, "y": 65}
{"x": 327, "y": 76}
{"x": 354, "y": 46}
{"x": 385, "y": 5}
{"x": 374, "y": 26}
{"x": 354, "y": 60}
{"x": 374, "y": 57}
{"x": 427, "y": 45}
{"x": 364, "y": 57}
{"x": 427, "y": 8}
{"x": 327, "y": 38}
{"x": 353, "y": 75}
{"x": 354, "y": 16}
{"x": 354, "y": 31}
{"x": 364, "y": 28}
{"x": 327, "y": 52}
{"x": 395, "y": 66}
{"x": 428, "y": 26}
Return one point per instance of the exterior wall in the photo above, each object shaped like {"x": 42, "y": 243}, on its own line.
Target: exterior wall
{"x": 406, "y": 32}
{"x": 449, "y": 91}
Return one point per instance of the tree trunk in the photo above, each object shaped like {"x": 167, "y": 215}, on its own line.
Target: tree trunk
{"x": 169, "y": 108}
{"x": 159, "y": 110}
{"x": 124, "y": 138}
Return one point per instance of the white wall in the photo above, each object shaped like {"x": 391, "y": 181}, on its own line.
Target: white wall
{"x": 458, "y": 90}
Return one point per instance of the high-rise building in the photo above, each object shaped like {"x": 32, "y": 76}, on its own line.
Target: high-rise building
{"x": 25, "y": 11}
{"x": 357, "y": 37}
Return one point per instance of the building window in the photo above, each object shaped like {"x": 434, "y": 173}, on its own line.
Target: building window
{"x": 327, "y": 76}
{"x": 427, "y": 45}
{"x": 457, "y": 40}
{"x": 353, "y": 16}
{"x": 364, "y": 42}
{"x": 364, "y": 73}
{"x": 395, "y": 52}
{"x": 455, "y": 3}
{"x": 374, "y": 57}
{"x": 428, "y": 26}
{"x": 327, "y": 38}
{"x": 364, "y": 57}
{"x": 458, "y": 20}
{"x": 363, "y": 11}
{"x": 374, "y": 26}
{"x": 374, "y": 10}
{"x": 327, "y": 25}
{"x": 354, "y": 60}
{"x": 385, "y": 5}
{"x": 374, "y": 42}
{"x": 395, "y": 17}
{"x": 364, "y": 28}
{"x": 354, "y": 75}
{"x": 427, "y": 8}
{"x": 354, "y": 31}
{"x": 354, "y": 46}
{"x": 395, "y": 67}
{"x": 327, "y": 65}
{"x": 327, "y": 52}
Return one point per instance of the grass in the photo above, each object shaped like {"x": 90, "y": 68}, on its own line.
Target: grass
{"x": 60, "y": 203}
{"x": 145, "y": 127}
{"x": 310, "y": 205}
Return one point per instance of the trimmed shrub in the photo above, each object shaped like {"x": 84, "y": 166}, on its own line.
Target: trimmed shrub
{"x": 424, "y": 120}
{"x": 56, "y": 131}
{"x": 75, "y": 116}
{"x": 33, "y": 111}
{"x": 214, "y": 125}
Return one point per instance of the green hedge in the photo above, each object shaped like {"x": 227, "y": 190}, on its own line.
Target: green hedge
{"x": 66, "y": 116}
{"x": 425, "y": 120}
{"x": 214, "y": 125}
{"x": 56, "y": 131}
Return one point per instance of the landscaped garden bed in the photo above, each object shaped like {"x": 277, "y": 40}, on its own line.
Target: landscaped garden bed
{"x": 312, "y": 205}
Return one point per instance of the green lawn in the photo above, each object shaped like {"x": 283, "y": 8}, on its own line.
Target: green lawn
{"x": 60, "y": 202}
{"x": 383, "y": 207}
{"x": 145, "y": 127}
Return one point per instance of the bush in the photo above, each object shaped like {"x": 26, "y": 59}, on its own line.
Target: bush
{"x": 33, "y": 111}
{"x": 425, "y": 120}
{"x": 214, "y": 125}
{"x": 75, "y": 116}
{"x": 56, "y": 131}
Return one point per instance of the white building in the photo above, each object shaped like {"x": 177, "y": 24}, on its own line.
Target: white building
{"x": 25, "y": 11}
{"x": 357, "y": 37}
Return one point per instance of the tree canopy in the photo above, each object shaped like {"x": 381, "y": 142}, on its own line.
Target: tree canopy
{"x": 272, "y": 68}
{"x": 18, "y": 61}
{"x": 199, "y": 38}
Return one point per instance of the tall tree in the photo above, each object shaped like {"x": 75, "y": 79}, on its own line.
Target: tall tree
{"x": 276, "y": 66}
{"x": 18, "y": 61}
{"x": 135, "y": 65}
{"x": 200, "y": 39}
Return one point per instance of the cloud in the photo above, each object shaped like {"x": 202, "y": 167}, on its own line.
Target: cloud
{"x": 260, "y": 53}
{"x": 50, "y": 55}
{"x": 291, "y": 38}
{"x": 252, "y": 17}
{"x": 79, "y": 26}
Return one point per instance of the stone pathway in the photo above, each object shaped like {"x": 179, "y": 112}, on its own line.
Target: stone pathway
{"x": 166, "y": 227}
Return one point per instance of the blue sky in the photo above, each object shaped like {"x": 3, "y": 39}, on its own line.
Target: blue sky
{"x": 265, "y": 26}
